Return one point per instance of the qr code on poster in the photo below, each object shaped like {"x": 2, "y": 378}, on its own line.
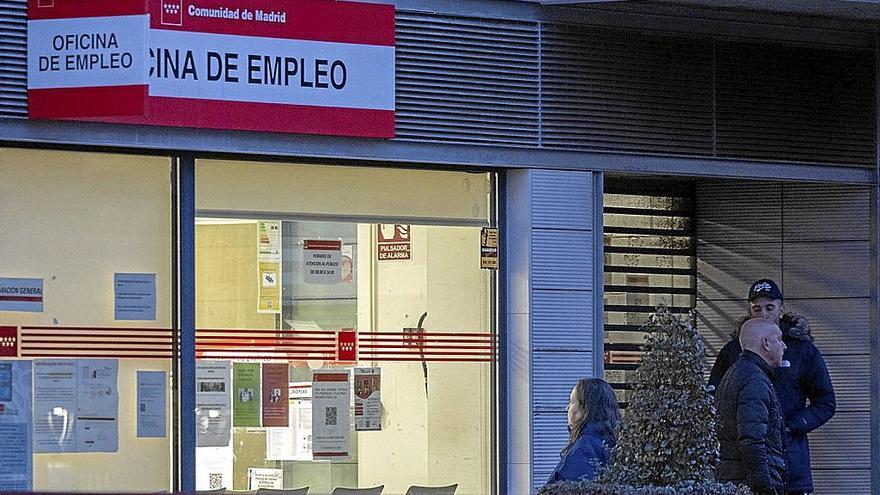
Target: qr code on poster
{"x": 215, "y": 481}
{"x": 330, "y": 416}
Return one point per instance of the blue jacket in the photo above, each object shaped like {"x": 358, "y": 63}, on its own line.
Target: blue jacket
{"x": 806, "y": 378}
{"x": 591, "y": 449}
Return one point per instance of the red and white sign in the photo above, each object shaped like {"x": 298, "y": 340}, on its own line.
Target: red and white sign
{"x": 310, "y": 66}
{"x": 393, "y": 242}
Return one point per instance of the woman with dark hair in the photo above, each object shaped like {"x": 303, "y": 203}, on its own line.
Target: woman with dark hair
{"x": 592, "y": 419}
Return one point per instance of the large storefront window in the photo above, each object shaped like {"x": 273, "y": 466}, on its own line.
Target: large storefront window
{"x": 345, "y": 332}
{"x": 85, "y": 311}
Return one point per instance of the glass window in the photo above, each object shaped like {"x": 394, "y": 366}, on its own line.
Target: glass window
{"x": 92, "y": 232}
{"x": 352, "y": 328}
{"x": 649, "y": 260}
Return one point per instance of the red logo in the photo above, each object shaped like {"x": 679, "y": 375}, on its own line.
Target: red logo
{"x": 346, "y": 345}
{"x": 9, "y": 341}
{"x": 45, "y": 3}
{"x": 172, "y": 12}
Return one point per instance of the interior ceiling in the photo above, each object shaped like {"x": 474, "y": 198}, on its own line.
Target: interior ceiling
{"x": 863, "y": 10}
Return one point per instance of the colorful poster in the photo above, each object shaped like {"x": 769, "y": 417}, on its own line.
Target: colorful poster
{"x": 269, "y": 240}
{"x": 321, "y": 262}
{"x": 21, "y": 294}
{"x": 213, "y": 404}
{"x": 275, "y": 399}
{"x": 135, "y": 296}
{"x": 151, "y": 389}
{"x": 265, "y": 478}
{"x": 331, "y": 415}
{"x": 16, "y": 443}
{"x": 246, "y": 399}
{"x": 367, "y": 400}
{"x": 295, "y": 442}
{"x": 269, "y": 292}
{"x": 76, "y": 404}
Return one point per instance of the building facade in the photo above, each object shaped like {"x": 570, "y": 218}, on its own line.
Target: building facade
{"x": 204, "y": 261}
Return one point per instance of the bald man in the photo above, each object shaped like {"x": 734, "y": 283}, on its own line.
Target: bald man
{"x": 750, "y": 422}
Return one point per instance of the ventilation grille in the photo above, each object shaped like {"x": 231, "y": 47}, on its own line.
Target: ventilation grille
{"x": 466, "y": 80}
{"x": 13, "y": 58}
{"x": 625, "y": 91}
{"x": 798, "y": 103}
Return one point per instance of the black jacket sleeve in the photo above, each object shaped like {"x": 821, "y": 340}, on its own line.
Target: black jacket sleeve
{"x": 819, "y": 390}
{"x": 753, "y": 417}
{"x": 725, "y": 360}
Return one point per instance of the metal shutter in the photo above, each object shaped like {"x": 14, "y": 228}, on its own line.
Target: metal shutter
{"x": 798, "y": 103}
{"x": 615, "y": 89}
{"x": 13, "y": 58}
{"x": 813, "y": 239}
{"x": 466, "y": 80}
{"x": 562, "y": 262}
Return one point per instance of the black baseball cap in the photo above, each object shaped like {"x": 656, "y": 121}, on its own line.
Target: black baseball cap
{"x": 765, "y": 287}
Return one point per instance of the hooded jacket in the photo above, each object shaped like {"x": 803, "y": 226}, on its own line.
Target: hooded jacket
{"x": 750, "y": 426}
{"x": 805, "y": 378}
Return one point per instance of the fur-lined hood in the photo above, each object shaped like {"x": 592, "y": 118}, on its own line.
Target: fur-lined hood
{"x": 793, "y": 326}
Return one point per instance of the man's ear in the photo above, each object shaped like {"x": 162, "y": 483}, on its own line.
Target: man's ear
{"x": 765, "y": 343}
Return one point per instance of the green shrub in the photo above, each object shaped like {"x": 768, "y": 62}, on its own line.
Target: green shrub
{"x": 684, "y": 488}
{"x": 668, "y": 436}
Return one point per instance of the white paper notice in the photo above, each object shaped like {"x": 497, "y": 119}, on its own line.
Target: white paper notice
{"x": 293, "y": 443}
{"x": 54, "y": 405}
{"x": 265, "y": 478}
{"x": 16, "y": 446}
{"x": 151, "y": 404}
{"x": 97, "y": 405}
{"x": 215, "y": 468}
{"x": 213, "y": 404}
{"x": 367, "y": 401}
{"x": 331, "y": 415}
{"x": 76, "y": 404}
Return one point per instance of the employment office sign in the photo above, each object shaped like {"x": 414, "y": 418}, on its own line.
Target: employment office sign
{"x": 309, "y": 66}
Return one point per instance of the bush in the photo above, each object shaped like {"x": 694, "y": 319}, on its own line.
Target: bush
{"x": 684, "y": 488}
{"x": 668, "y": 437}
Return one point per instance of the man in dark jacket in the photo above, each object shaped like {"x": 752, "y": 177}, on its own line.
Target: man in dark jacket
{"x": 802, "y": 377}
{"x": 750, "y": 418}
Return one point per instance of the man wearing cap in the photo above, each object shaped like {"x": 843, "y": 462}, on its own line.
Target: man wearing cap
{"x": 801, "y": 377}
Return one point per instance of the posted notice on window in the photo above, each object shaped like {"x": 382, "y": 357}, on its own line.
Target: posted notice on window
{"x": 151, "y": 388}
{"x": 16, "y": 445}
{"x": 367, "y": 400}
{"x": 135, "y": 296}
{"x": 246, "y": 402}
{"x": 293, "y": 443}
{"x": 76, "y": 405}
{"x": 213, "y": 404}
{"x": 331, "y": 416}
